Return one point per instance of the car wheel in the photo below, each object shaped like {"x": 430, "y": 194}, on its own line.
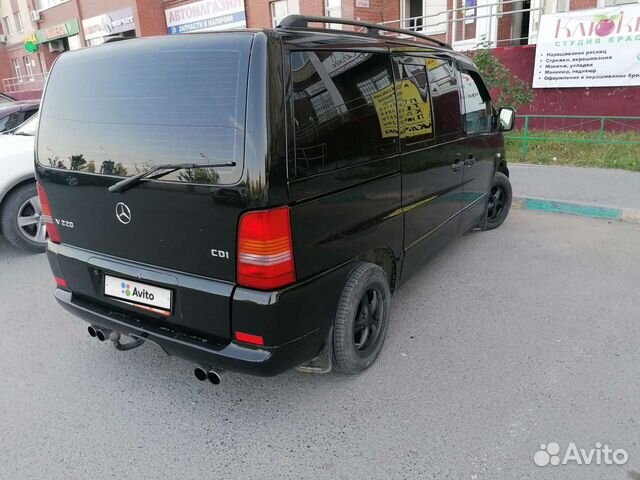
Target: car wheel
{"x": 362, "y": 318}
{"x": 499, "y": 202}
{"x": 22, "y": 221}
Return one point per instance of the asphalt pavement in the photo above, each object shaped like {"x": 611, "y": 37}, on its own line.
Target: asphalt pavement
{"x": 596, "y": 186}
{"x": 508, "y": 339}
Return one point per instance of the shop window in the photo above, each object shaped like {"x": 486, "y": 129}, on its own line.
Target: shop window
{"x": 17, "y": 68}
{"x": 17, "y": 19}
{"x": 278, "y": 12}
{"x": 28, "y": 68}
{"x": 344, "y": 110}
{"x": 6, "y": 26}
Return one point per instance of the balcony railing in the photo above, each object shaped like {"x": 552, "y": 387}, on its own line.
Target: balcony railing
{"x": 24, "y": 83}
{"x": 468, "y": 28}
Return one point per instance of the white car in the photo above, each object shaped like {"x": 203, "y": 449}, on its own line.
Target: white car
{"x": 20, "y": 211}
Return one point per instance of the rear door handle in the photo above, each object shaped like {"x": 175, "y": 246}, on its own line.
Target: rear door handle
{"x": 470, "y": 161}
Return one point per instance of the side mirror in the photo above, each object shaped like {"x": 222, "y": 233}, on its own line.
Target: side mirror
{"x": 506, "y": 118}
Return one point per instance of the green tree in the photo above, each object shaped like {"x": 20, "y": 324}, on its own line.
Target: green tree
{"x": 199, "y": 175}
{"x": 77, "y": 162}
{"x": 512, "y": 91}
{"x": 120, "y": 170}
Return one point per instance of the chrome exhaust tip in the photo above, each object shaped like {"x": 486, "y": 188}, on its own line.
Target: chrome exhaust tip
{"x": 200, "y": 373}
{"x": 214, "y": 376}
{"x": 92, "y": 331}
{"x": 103, "y": 334}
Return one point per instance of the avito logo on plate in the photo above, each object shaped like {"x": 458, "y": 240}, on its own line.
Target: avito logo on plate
{"x": 136, "y": 292}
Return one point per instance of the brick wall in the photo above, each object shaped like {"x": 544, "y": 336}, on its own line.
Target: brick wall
{"x": 5, "y": 65}
{"x": 258, "y": 13}
{"x": 311, "y": 7}
{"x": 91, "y": 8}
{"x": 49, "y": 57}
{"x": 59, "y": 14}
{"x": 150, "y": 17}
{"x": 378, "y": 11}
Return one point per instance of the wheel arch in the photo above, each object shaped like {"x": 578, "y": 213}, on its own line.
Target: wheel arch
{"x": 385, "y": 259}
{"x": 502, "y": 168}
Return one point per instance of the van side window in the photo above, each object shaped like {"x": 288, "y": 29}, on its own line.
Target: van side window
{"x": 344, "y": 109}
{"x": 477, "y": 104}
{"x": 444, "y": 85}
{"x": 414, "y": 105}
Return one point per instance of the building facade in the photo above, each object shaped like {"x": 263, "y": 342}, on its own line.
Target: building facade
{"x": 15, "y": 60}
{"x": 34, "y": 32}
{"x": 50, "y": 27}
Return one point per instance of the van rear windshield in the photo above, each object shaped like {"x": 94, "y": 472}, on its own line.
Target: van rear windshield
{"x": 121, "y": 108}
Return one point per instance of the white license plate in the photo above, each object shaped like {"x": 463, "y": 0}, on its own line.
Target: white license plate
{"x": 137, "y": 293}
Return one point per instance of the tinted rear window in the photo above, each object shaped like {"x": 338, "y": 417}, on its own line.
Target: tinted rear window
{"x": 119, "y": 109}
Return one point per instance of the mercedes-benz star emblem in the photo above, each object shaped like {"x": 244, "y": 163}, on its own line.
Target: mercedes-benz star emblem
{"x": 123, "y": 213}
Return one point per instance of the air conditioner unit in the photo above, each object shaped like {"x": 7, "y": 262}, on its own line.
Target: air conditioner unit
{"x": 56, "y": 46}
{"x": 3, "y": 39}
{"x": 35, "y": 16}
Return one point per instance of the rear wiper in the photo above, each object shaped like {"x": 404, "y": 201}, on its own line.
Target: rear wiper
{"x": 129, "y": 182}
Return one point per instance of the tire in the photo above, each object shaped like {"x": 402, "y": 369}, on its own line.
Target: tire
{"x": 499, "y": 204}
{"x": 359, "y": 329}
{"x": 23, "y": 202}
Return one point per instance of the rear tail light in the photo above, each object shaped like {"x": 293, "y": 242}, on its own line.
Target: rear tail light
{"x": 265, "y": 249}
{"x": 61, "y": 282}
{"x": 249, "y": 338}
{"x": 52, "y": 229}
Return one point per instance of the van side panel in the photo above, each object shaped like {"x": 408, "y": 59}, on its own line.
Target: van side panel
{"x": 345, "y": 224}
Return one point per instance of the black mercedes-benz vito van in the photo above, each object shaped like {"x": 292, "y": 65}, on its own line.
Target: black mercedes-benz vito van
{"x": 248, "y": 200}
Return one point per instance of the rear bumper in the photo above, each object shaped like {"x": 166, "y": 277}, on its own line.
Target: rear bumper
{"x": 294, "y": 321}
{"x": 232, "y": 356}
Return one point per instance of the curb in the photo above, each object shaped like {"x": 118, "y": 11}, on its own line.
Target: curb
{"x": 628, "y": 215}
